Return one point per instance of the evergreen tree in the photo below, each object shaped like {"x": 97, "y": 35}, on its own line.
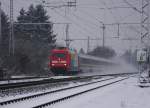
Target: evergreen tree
{"x": 34, "y": 41}
{"x": 104, "y": 52}
{"x": 5, "y": 34}
{"x": 20, "y": 28}
{"x": 22, "y": 17}
{"x": 42, "y": 32}
{"x": 4, "y": 46}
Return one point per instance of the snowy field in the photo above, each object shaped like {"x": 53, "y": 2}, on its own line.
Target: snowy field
{"x": 121, "y": 95}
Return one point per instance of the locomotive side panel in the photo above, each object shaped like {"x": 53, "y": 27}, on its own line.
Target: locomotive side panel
{"x": 74, "y": 61}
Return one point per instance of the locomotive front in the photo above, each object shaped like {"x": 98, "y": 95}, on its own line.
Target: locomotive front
{"x": 59, "y": 61}
{"x": 64, "y": 61}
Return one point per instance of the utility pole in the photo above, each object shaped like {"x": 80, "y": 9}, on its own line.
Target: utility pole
{"x": 11, "y": 39}
{"x": 118, "y": 31}
{"x": 67, "y": 36}
{"x": 0, "y": 27}
{"x": 88, "y": 44}
{"x": 103, "y": 27}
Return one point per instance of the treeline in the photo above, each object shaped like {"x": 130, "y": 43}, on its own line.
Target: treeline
{"x": 32, "y": 42}
{"x": 104, "y": 52}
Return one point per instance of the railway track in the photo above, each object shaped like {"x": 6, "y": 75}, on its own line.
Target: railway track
{"x": 52, "y": 80}
{"x": 40, "y": 82}
{"x": 52, "y": 97}
{"x": 22, "y": 78}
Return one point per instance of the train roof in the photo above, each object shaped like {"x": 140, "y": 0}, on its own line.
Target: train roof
{"x": 64, "y": 49}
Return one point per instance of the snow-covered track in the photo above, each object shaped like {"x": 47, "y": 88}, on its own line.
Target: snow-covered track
{"x": 53, "y": 80}
{"x": 41, "y": 81}
{"x": 46, "y": 93}
{"x": 22, "y": 78}
{"x": 4, "y": 104}
{"x": 76, "y": 94}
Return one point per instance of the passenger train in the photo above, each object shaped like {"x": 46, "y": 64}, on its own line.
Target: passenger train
{"x": 67, "y": 61}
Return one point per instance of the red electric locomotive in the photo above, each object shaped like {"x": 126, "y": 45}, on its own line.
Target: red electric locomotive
{"x": 64, "y": 61}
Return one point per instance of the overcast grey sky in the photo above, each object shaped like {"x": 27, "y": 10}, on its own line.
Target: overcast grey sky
{"x": 85, "y": 19}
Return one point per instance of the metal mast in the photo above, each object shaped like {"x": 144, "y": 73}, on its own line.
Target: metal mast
{"x": 67, "y": 36}
{"x": 145, "y": 36}
{"x": 103, "y": 35}
{"x": 11, "y": 39}
{"x": 145, "y": 22}
{"x": 88, "y": 44}
{"x": 0, "y": 27}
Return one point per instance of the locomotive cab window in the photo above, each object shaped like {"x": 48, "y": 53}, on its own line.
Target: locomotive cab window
{"x": 59, "y": 55}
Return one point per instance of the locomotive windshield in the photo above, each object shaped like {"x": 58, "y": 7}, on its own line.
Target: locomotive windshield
{"x": 59, "y": 55}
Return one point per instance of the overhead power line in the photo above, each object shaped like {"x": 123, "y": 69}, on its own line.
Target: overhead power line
{"x": 16, "y": 23}
{"x": 86, "y": 21}
{"x": 54, "y": 5}
{"x": 101, "y": 8}
{"x": 77, "y": 24}
{"x": 72, "y": 39}
{"x": 133, "y": 7}
{"x": 92, "y": 16}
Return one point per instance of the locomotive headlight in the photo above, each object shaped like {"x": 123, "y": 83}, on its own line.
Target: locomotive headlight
{"x": 53, "y": 64}
{"x": 65, "y": 64}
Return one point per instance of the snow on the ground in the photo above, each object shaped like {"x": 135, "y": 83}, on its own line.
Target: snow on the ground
{"x": 126, "y": 94}
{"x": 71, "y": 84}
